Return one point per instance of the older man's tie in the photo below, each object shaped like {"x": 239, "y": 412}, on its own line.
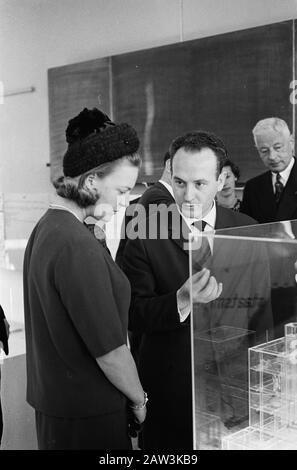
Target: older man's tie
{"x": 279, "y": 187}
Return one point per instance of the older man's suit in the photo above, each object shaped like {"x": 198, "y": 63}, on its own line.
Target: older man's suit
{"x": 259, "y": 200}
{"x": 157, "y": 268}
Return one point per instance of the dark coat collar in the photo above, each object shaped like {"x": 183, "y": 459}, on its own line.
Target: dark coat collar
{"x": 288, "y": 201}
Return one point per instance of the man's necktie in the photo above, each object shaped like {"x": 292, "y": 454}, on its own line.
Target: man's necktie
{"x": 200, "y": 224}
{"x": 202, "y": 254}
{"x": 279, "y": 187}
{"x": 99, "y": 234}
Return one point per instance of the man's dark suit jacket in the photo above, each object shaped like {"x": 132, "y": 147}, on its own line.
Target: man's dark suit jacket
{"x": 157, "y": 268}
{"x": 156, "y": 194}
{"x": 259, "y": 201}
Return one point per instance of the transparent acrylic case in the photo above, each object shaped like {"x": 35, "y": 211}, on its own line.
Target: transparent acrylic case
{"x": 244, "y": 363}
{"x": 272, "y": 396}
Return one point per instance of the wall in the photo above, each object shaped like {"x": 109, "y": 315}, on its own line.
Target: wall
{"x": 38, "y": 34}
{"x": 18, "y": 416}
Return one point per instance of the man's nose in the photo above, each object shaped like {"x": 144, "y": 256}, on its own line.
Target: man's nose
{"x": 189, "y": 194}
{"x": 273, "y": 154}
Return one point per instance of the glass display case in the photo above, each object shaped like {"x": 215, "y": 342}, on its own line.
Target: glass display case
{"x": 272, "y": 396}
{"x": 244, "y": 343}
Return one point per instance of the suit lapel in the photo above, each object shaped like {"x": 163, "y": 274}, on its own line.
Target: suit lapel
{"x": 220, "y": 219}
{"x": 288, "y": 202}
{"x": 223, "y": 218}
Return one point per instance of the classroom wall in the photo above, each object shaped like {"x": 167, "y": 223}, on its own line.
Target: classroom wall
{"x": 38, "y": 34}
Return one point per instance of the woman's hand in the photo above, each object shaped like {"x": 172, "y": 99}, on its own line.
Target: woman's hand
{"x": 139, "y": 414}
{"x": 134, "y": 425}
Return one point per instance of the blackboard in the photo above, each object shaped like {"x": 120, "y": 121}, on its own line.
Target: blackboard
{"x": 223, "y": 84}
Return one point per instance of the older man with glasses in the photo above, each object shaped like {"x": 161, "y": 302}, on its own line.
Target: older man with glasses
{"x": 272, "y": 196}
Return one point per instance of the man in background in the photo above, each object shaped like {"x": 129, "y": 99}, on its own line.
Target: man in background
{"x": 272, "y": 196}
{"x": 161, "y": 192}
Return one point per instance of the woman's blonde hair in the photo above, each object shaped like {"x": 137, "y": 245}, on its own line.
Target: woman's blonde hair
{"x": 73, "y": 188}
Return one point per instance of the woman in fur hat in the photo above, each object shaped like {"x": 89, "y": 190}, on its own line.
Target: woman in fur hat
{"x": 81, "y": 377}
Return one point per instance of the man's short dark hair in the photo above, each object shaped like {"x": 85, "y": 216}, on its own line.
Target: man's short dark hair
{"x": 198, "y": 140}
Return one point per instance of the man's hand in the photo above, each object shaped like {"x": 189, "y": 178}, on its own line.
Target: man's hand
{"x": 205, "y": 288}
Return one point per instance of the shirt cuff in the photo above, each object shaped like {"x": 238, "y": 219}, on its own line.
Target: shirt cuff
{"x": 182, "y": 308}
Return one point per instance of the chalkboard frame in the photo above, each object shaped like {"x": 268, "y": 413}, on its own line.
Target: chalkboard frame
{"x": 223, "y": 83}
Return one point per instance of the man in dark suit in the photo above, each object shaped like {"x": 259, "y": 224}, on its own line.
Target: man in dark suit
{"x": 158, "y": 269}
{"x": 272, "y": 196}
{"x": 159, "y": 193}
{"x": 4, "y": 333}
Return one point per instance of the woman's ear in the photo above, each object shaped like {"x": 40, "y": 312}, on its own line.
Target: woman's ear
{"x": 89, "y": 181}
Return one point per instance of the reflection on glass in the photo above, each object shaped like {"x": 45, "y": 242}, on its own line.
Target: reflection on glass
{"x": 272, "y": 397}
{"x": 237, "y": 397}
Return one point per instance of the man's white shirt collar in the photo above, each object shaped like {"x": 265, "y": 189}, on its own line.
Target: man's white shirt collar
{"x": 209, "y": 218}
{"x": 284, "y": 174}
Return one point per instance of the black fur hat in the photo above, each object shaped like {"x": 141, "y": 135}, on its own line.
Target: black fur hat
{"x": 93, "y": 139}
